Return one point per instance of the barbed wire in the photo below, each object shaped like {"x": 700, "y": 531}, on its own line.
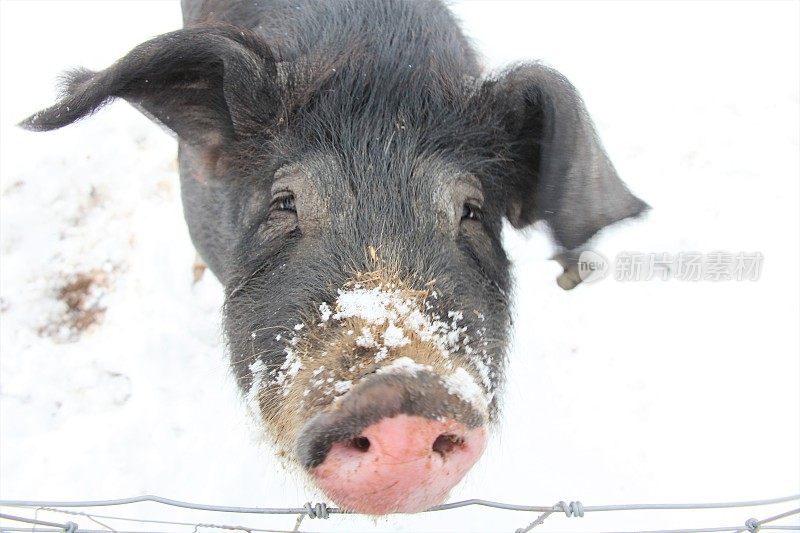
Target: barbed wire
{"x": 322, "y": 511}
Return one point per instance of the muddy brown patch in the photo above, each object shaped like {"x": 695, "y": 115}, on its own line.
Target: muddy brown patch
{"x": 198, "y": 269}
{"x": 82, "y": 296}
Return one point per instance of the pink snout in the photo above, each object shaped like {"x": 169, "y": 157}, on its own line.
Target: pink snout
{"x": 404, "y": 463}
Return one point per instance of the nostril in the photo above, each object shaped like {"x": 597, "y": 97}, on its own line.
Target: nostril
{"x": 360, "y": 443}
{"x": 446, "y": 443}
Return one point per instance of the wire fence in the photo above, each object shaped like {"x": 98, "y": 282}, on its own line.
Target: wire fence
{"x": 322, "y": 511}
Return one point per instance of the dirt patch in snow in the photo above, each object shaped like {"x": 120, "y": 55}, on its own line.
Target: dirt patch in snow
{"x": 82, "y": 295}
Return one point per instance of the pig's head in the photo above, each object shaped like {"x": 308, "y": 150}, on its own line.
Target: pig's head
{"x": 352, "y": 206}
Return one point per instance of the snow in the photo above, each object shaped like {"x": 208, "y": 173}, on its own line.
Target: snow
{"x": 462, "y": 384}
{"x": 375, "y": 305}
{"x": 365, "y": 340}
{"x": 399, "y": 315}
{"x": 288, "y": 370}
{"x": 404, "y": 365}
{"x": 618, "y": 392}
{"x": 381, "y": 354}
{"x": 257, "y": 370}
{"x": 394, "y": 337}
{"x": 325, "y": 311}
{"x": 342, "y": 386}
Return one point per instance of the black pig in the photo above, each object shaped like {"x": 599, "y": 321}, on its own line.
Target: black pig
{"x": 345, "y": 171}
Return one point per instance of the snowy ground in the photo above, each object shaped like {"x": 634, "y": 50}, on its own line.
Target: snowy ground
{"x": 619, "y": 392}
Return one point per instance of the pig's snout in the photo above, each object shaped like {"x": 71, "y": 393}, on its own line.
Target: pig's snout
{"x": 393, "y": 444}
{"x": 399, "y": 464}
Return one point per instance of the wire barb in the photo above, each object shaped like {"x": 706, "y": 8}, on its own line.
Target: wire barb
{"x": 752, "y": 525}
{"x": 572, "y": 509}
{"x": 319, "y": 510}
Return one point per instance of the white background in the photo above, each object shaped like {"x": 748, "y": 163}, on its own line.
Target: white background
{"x": 619, "y": 392}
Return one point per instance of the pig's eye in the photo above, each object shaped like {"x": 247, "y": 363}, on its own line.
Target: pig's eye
{"x": 284, "y": 203}
{"x": 471, "y": 212}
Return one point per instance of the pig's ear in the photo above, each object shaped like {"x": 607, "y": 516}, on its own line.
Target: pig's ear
{"x": 561, "y": 173}
{"x": 206, "y": 83}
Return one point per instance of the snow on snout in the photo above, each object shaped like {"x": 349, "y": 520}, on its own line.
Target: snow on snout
{"x": 257, "y": 370}
{"x": 401, "y": 317}
{"x": 460, "y": 383}
{"x": 389, "y": 319}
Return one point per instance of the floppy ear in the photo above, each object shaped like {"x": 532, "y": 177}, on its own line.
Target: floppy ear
{"x": 206, "y": 83}
{"x": 562, "y": 174}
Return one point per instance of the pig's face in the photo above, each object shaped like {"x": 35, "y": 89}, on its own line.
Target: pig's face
{"x": 372, "y": 289}
{"x": 340, "y": 278}
{"x": 353, "y": 212}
